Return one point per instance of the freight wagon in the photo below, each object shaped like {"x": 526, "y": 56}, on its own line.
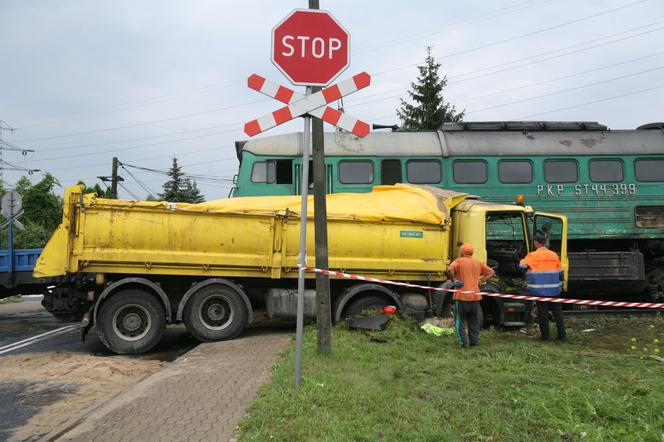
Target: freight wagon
{"x": 137, "y": 265}
{"x": 609, "y": 183}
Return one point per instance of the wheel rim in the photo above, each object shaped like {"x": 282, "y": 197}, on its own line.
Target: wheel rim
{"x": 131, "y": 322}
{"x": 216, "y": 312}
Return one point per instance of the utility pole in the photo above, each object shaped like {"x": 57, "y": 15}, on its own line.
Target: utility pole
{"x": 6, "y": 165}
{"x": 114, "y": 178}
{"x": 3, "y": 126}
{"x": 323, "y": 309}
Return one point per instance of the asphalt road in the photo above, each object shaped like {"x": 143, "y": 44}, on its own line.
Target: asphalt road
{"x": 27, "y": 329}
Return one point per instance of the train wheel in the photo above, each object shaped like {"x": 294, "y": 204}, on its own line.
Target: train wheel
{"x": 655, "y": 291}
{"x": 215, "y": 313}
{"x": 131, "y": 321}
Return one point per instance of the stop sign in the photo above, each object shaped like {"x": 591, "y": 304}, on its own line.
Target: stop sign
{"x": 310, "y": 47}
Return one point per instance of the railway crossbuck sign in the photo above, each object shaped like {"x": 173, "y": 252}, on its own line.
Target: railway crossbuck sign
{"x": 315, "y": 105}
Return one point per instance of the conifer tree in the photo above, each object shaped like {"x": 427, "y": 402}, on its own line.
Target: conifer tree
{"x": 430, "y": 109}
{"x": 180, "y": 189}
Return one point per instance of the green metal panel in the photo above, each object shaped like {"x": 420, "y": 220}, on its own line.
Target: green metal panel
{"x": 595, "y": 210}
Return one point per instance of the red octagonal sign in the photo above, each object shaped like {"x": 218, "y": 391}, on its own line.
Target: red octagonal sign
{"x": 310, "y": 47}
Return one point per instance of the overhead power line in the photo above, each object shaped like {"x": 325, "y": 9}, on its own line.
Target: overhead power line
{"x": 129, "y": 191}
{"x": 161, "y": 98}
{"x": 453, "y": 78}
{"x": 583, "y": 86}
{"x": 141, "y": 146}
{"x": 363, "y": 101}
{"x": 455, "y": 25}
{"x": 147, "y": 123}
{"x": 187, "y": 175}
{"x": 564, "y": 77}
{"x": 517, "y": 37}
{"x": 139, "y": 181}
{"x": 588, "y": 103}
{"x": 588, "y": 17}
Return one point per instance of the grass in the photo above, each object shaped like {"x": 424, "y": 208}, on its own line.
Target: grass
{"x": 402, "y": 384}
{"x": 11, "y": 299}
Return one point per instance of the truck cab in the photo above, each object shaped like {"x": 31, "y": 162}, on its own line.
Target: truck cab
{"x": 501, "y": 236}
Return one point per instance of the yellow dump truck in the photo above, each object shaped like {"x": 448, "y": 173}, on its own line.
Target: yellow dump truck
{"x": 135, "y": 266}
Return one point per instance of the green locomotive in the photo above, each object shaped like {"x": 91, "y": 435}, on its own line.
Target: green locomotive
{"x": 610, "y": 183}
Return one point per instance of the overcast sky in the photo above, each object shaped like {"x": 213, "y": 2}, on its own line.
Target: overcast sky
{"x": 83, "y": 81}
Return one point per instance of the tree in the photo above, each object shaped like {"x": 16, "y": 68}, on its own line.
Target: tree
{"x": 180, "y": 189}
{"x": 102, "y": 193}
{"x": 42, "y": 212}
{"x": 430, "y": 109}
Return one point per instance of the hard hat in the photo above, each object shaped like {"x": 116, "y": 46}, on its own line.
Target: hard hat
{"x": 466, "y": 249}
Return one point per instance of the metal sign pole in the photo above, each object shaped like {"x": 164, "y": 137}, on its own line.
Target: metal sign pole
{"x": 303, "y": 246}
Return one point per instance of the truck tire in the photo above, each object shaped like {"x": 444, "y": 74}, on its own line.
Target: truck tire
{"x": 364, "y": 304}
{"x": 215, "y": 313}
{"x": 131, "y": 321}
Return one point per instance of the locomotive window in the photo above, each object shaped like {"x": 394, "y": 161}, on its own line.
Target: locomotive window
{"x": 390, "y": 172}
{"x": 649, "y": 170}
{"x": 606, "y": 171}
{"x": 561, "y": 171}
{"x": 515, "y": 172}
{"x": 356, "y": 172}
{"x": 423, "y": 172}
{"x": 263, "y": 172}
{"x": 470, "y": 172}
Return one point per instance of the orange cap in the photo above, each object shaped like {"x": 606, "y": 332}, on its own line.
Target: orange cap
{"x": 466, "y": 249}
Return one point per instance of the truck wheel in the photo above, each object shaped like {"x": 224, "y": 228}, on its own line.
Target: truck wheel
{"x": 131, "y": 321}
{"x": 364, "y": 304}
{"x": 215, "y": 313}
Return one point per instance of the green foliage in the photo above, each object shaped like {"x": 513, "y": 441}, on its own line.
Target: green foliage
{"x": 42, "y": 213}
{"x": 180, "y": 189}
{"x": 403, "y": 384}
{"x": 101, "y": 193}
{"x": 430, "y": 109}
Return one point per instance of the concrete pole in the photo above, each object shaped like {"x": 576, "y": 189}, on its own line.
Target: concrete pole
{"x": 323, "y": 308}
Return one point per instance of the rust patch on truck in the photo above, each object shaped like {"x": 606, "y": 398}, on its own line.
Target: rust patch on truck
{"x": 567, "y": 143}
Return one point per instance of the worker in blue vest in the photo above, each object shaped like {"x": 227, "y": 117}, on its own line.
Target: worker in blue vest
{"x": 544, "y": 274}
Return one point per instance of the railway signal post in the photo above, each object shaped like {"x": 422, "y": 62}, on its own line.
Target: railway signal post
{"x": 311, "y": 49}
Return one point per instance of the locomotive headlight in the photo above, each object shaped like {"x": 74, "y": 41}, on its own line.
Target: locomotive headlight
{"x": 520, "y": 200}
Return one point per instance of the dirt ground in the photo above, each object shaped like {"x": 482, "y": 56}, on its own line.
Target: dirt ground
{"x": 72, "y": 382}
{"x": 26, "y": 305}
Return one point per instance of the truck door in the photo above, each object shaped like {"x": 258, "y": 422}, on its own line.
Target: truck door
{"x": 554, "y": 228}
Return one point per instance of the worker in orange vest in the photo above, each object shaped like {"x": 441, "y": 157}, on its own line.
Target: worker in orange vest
{"x": 544, "y": 274}
{"x": 468, "y": 274}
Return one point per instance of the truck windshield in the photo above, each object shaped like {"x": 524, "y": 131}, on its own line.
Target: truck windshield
{"x": 505, "y": 241}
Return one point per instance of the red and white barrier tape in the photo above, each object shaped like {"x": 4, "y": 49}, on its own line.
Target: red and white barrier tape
{"x": 654, "y": 305}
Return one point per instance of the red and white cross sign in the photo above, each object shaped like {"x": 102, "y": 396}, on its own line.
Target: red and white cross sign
{"x": 315, "y": 105}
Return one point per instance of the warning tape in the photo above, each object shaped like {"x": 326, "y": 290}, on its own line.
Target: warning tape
{"x": 654, "y": 305}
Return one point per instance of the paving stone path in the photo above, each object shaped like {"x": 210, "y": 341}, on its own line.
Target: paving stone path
{"x": 200, "y": 397}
